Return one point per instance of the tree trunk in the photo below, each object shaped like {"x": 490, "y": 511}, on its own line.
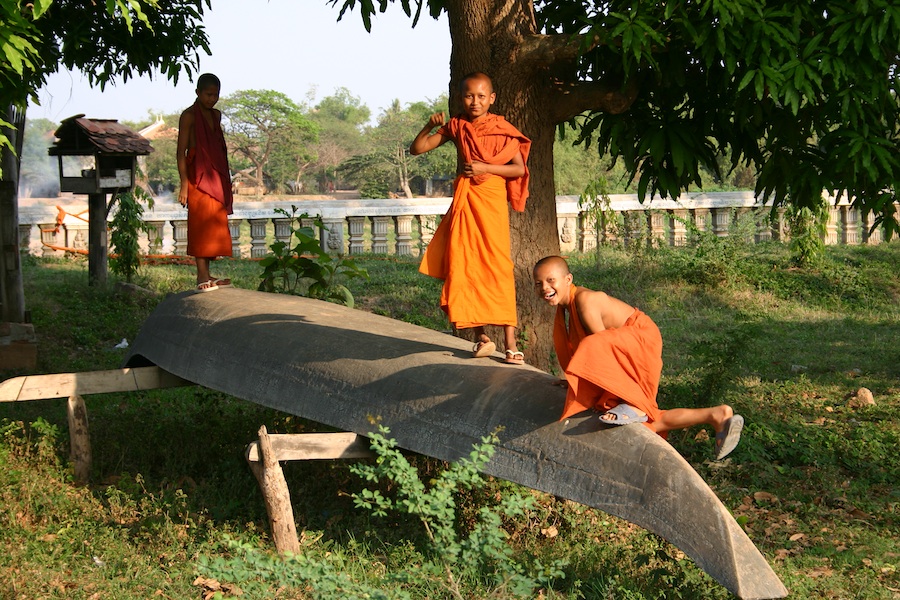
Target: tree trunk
{"x": 12, "y": 294}
{"x": 485, "y": 35}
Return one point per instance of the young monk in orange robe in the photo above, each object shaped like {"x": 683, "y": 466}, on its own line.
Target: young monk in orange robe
{"x": 611, "y": 353}
{"x": 205, "y": 181}
{"x": 470, "y": 250}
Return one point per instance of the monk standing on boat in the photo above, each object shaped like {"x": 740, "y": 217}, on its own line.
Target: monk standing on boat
{"x": 205, "y": 181}
{"x": 470, "y": 250}
{"x": 611, "y": 353}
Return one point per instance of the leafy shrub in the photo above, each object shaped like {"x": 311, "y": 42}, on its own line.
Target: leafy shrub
{"x": 461, "y": 566}
{"x": 304, "y": 269}
{"x": 127, "y": 224}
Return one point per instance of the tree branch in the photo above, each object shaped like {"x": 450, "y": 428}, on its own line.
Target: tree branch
{"x": 542, "y": 49}
{"x": 574, "y": 98}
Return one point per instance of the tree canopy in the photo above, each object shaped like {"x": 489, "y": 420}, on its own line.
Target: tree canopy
{"x": 804, "y": 92}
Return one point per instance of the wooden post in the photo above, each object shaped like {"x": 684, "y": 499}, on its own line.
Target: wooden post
{"x": 79, "y": 438}
{"x": 97, "y": 240}
{"x": 277, "y": 497}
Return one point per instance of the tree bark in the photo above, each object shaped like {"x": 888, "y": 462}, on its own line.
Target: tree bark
{"x": 535, "y": 81}
{"x": 12, "y": 294}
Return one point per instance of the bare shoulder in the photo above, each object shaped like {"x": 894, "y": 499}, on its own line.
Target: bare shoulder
{"x": 187, "y": 117}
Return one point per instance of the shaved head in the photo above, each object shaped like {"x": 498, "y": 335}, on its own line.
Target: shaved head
{"x": 553, "y": 261}
{"x": 476, "y": 76}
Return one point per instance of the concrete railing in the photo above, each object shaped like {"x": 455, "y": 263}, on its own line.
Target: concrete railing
{"x": 404, "y": 227}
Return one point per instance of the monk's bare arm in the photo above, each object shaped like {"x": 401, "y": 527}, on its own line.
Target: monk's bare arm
{"x": 511, "y": 170}
{"x": 426, "y": 141}
{"x": 185, "y": 132}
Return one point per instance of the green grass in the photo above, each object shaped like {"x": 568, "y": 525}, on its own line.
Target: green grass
{"x": 814, "y": 481}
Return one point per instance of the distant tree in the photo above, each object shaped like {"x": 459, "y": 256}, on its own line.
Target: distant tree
{"x": 389, "y": 162}
{"x": 260, "y": 123}
{"x": 160, "y": 166}
{"x": 343, "y": 120}
{"x": 39, "y": 176}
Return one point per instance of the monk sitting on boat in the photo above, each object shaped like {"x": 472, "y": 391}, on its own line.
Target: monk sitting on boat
{"x": 470, "y": 250}
{"x": 205, "y": 181}
{"x": 611, "y": 353}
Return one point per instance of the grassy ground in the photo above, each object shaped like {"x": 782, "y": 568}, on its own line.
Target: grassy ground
{"x": 814, "y": 481}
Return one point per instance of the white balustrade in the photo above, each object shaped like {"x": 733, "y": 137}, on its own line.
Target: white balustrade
{"x": 405, "y": 227}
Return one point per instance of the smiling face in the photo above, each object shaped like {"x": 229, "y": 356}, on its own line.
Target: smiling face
{"x": 477, "y": 96}
{"x": 551, "y": 282}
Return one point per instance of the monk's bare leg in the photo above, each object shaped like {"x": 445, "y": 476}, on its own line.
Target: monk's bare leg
{"x": 682, "y": 418}
{"x": 509, "y": 334}
{"x": 202, "y": 269}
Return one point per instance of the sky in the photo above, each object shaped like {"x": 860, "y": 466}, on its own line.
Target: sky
{"x": 296, "y": 47}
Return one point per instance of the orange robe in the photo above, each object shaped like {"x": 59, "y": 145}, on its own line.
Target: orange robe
{"x": 609, "y": 366}
{"x": 209, "y": 192}
{"x": 470, "y": 250}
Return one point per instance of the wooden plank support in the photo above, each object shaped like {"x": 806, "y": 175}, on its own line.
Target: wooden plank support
{"x": 275, "y": 493}
{"x": 65, "y": 385}
{"x": 79, "y": 438}
{"x": 74, "y": 386}
{"x": 313, "y": 446}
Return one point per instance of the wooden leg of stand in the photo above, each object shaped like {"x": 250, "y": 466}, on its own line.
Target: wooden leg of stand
{"x": 79, "y": 438}
{"x": 275, "y": 493}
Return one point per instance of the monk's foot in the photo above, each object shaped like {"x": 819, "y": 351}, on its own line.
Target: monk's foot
{"x": 221, "y": 282}
{"x": 623, "y": 414}
{"x": 721, "y": 415}
{"x": 483, "y": 347}
{"x": 514, "y": 357}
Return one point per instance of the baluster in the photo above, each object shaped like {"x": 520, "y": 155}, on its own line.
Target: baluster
{"x": 677, "y": 227}
{"x": 357, "y": 235}
{"x": 871, "y": 236}
{"x": 721, "y": 217}
{"x": 404, "y": 235}
{"x": 234, "y": 228}
{"x": 179, "y": 235}
{"x": 48, "y": 238}
{"x": 587, "y": 232}
{"x": 427, "y": 227}
{"x": 831, "y": 228}
{"x": 379, "y": 234}
{"x": 850, "y": 222}
{"x": 258, "y": 237}
{"x": 657, "y": 220}
{"x": 155, "y": 237}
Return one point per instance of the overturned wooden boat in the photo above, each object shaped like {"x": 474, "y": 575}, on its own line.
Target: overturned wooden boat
{"x": 342, "y": 367}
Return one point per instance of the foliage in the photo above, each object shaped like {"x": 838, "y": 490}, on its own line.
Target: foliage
{"x": 484, "y": 551}
{"x": 126, "y": 225}
{"x": 271, "y": 131}
{"x": 104, "y": 40}
{"x": 459, "y": 565}
{"x": 710, "y": 259}
{"x": 812, "y": 482}
{"x": 804, "y": 92}
{"x": 304, "y": 269}
{"x": 594, "y": 203}
{"x": 388, "y": 167}
{"x": 342, "y": 120}
{"x": 807, "y": 226}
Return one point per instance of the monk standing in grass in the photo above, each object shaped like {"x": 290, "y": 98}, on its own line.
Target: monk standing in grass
{"x": 205, "y": 181}
{"x": 470, "y": 250}
{"x": 611, "y": 353}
